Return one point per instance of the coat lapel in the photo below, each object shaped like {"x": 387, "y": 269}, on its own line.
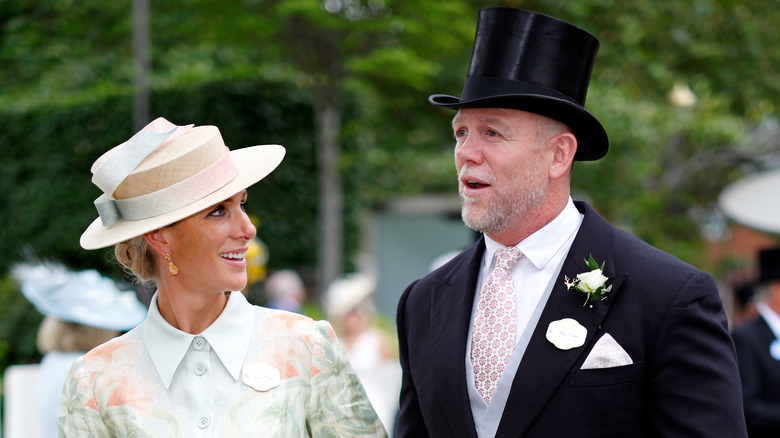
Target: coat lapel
{"x": 451, "y": 302}
{"x": 544, "y": 367}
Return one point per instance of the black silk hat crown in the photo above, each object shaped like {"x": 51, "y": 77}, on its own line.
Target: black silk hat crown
{"x": 769, "y": 263}
{"x": 533, "y": 62}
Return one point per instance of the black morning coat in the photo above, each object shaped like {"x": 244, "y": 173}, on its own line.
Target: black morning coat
{"x": 666, "y": 314}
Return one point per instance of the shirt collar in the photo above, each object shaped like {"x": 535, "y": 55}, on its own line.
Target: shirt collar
{"x": 228, "y": 336}
{"x": 540, "y": 247}
{"x": 772, "y": 319}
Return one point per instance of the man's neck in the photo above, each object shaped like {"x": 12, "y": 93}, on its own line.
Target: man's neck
{"x": 530, "y": 223}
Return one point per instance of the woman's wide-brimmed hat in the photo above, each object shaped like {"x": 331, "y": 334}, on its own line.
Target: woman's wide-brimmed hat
{"x": 166, "y": 173}
{"x": 533, "y": 62}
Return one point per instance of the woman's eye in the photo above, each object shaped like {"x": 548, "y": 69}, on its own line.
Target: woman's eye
{"x": 219, "y": 211}
{"x": 243, "y": 205}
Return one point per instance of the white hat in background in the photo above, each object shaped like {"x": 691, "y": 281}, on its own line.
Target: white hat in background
{"x": 346, "y": 294}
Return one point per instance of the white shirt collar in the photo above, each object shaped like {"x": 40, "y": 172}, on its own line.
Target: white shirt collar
{"x": 540, "y": 247}
{"x": 228, "y": 336}
{"x": 772, "y": 319}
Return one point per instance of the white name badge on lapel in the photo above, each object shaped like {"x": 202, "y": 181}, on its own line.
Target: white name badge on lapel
{"x": 261, "y": 376}
{"x": 566, "y": 334}
{"x": 774, "y": 349}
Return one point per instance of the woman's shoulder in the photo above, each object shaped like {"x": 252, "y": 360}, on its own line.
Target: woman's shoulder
{"x": 282, "y": 322}
{"x": 128, "y": 346}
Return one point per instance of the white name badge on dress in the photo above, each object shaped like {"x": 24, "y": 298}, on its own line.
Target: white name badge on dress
{"x": 566, "y": 334}
{"x": 261, "y": 376}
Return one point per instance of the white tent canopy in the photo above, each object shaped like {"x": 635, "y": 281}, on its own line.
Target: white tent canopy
{"x": 754, "y": 201}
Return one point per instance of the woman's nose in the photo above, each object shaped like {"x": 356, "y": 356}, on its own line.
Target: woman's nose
{"x": 246, "y": 227}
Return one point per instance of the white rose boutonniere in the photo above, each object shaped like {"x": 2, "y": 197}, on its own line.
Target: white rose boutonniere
{"x": 591, "y": 283}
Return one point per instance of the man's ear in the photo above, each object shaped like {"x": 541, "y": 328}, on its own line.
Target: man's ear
{"x": 157, "y": 241}
{"x": 564, "y": 148}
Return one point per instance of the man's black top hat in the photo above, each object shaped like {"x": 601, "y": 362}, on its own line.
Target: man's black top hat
{"x": 769, "y": 262}
{"x": 536, "y": 63}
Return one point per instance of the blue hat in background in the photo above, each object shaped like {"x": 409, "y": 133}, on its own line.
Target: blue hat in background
{"x": 83, "y": 297}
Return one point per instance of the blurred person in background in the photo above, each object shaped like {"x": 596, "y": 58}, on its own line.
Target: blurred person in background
{"x": 758, "y": 351}
{"x": 82, "y": 310}
{"x": 284, "y": 290}
{"x": 348, "y": 304}
{"x": 205, "y": 362}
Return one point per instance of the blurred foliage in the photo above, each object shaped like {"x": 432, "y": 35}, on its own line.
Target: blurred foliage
{"x": 18, "y": 326}
{"x": 253, "y": 68}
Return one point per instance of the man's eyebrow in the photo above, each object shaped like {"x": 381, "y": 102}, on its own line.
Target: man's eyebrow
{"x": 494, "y": 121}
{"x": 489, "y": 120}
{"x": 456, "y": 119}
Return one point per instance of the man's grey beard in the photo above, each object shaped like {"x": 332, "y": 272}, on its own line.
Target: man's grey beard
{"x": 509, "y": 204}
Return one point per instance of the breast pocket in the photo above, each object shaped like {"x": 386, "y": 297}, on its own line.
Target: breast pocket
{"x": 606, "y": 376}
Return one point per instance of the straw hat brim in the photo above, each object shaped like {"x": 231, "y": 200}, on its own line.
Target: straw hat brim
{"x": 254, "y": 163}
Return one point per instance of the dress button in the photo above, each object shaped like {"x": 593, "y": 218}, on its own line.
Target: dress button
{"x": 199, "y": 343}
{"x": 203, "y": 422}
{"x": 200, "y": 369}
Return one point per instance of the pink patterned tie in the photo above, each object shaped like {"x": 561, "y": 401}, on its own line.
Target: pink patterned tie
{"x": 493, "y": 335}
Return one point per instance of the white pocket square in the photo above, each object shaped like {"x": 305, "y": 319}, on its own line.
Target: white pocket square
{"x": 607, "y": 353}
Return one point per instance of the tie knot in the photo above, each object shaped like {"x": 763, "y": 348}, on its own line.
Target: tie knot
{"x": 507, "y": 257}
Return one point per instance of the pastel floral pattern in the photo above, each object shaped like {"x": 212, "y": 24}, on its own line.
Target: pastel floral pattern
{"x": 114, "y": 390}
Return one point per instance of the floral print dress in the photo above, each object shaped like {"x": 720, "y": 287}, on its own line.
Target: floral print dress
{"x": 255, "y": 372}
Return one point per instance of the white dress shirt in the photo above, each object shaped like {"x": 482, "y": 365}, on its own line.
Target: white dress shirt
{"x": 543, "y": 254}
{"x": 772, "y": 319}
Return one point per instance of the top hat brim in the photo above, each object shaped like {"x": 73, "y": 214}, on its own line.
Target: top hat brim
{"x": 254, "y": 163}
{"x": 769, "y": 263}
{"x": 592, "y": 139}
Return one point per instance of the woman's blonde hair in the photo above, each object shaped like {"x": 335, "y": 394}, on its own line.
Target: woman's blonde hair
{"x": 57, "y": 335}
{"x": 136, "y": 256}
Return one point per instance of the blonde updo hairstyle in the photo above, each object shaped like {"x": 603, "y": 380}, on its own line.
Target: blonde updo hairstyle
{"x": 136, "y": 256}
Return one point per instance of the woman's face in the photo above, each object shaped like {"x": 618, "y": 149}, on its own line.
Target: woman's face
{"x": 209, "y": 247}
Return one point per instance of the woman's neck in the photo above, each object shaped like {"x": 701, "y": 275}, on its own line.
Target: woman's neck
{"x": 189, "y": 312}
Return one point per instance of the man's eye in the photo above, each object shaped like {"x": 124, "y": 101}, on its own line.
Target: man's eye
{"x": 460, "y": 133}
{"x": 492, "y": 133}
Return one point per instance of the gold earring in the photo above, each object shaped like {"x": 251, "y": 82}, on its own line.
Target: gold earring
{"x": 171, "y": 267}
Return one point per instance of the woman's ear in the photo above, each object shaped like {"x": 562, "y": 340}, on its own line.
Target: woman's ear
{"x": 563, "y": 154}
{"x": 157, "y": 241}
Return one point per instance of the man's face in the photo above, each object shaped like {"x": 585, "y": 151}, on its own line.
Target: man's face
{"x": 502, "y": 166}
